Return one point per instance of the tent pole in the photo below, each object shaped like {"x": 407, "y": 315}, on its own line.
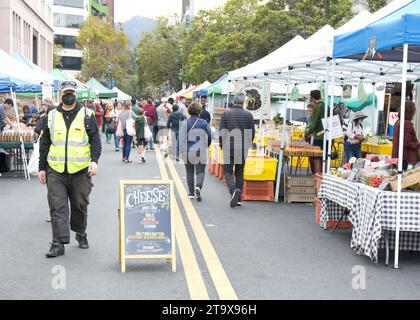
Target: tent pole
{"x": 400, "y": 153}
{"x": 283, "y": 138}
{"x": 326, "y": 94}
{"x": 22, "y": 144}
{"x": 261, "y": 133}
{"x": 330, "y": 121}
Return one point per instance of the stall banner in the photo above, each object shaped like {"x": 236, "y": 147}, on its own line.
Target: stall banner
{"x": 258, "y": 97}
{"x": 146, "y": 220}
{"x": 336, "y": 129}
{"x": 47, "y": 92}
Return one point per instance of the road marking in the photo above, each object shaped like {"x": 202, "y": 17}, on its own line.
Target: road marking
{"x": 195, "y": 282}
{"x": 221, "y": 281}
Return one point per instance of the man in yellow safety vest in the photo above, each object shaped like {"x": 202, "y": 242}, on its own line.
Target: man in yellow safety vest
{"x": 69, "y": 152}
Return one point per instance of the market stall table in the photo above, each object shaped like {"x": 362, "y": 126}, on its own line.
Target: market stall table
{"x": 14, "y": 148}
{"x": 372, "y": 213}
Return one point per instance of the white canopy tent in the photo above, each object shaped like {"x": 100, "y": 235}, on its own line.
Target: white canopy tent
{"x": 122, "y": 96}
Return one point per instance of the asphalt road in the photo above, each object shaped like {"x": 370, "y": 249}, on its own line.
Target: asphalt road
{"x": 261, "y": 251}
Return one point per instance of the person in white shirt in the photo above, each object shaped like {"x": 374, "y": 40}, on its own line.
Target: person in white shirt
{"x": 355, "y": 136}
{"x": 182, "y": 104}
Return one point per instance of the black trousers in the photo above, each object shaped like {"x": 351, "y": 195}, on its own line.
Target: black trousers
{"x": 238, "y": 182}
{"x": 199, "y": 170}
{"x": 68, "y": 198}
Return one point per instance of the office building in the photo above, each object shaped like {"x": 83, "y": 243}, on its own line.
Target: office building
{"x": 26, "y": 27}
{"x": 68, "y": 18}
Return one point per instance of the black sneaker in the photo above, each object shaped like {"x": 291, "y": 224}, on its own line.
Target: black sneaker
{"x": 83, "y": 241}
{"x": 143, "y": 159}
{"x": 56, "y": 250}
{"x": 236, "y": 196}
{"x": 198, "y": 194}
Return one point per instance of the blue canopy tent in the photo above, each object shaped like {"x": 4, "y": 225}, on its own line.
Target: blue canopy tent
{"x": 200, "y": 93}
{"x": 394, "y": 37}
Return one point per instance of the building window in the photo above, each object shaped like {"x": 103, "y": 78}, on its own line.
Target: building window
{"x": 69, "y": 3}
{"x": 71, "y": 63}
{"x": 67, "y": 20}
{"x": 67, "y": 42}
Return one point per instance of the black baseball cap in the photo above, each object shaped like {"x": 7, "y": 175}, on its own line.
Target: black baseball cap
{"x": 69, "y": 85}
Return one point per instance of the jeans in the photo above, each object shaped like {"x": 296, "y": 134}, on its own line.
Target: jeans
{"x": 353, "y": 150}
{"x": 65, "y": 189}
{"x": 199, "y": 172}
{"x": 238, "y": 183}
{"x": 175, "y": 143}
{"x": 117, "y": 142}
{"x": 127, "y": 145}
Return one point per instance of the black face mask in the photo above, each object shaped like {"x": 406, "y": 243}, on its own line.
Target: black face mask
{"x": 69, "y": 99}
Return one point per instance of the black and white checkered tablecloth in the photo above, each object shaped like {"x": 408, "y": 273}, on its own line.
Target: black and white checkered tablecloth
{"x": 372, "y": 212}
{"x": 336, "y": 195}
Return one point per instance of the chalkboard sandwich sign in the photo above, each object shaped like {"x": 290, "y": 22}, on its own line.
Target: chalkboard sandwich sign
{"x": 146, "y": 221}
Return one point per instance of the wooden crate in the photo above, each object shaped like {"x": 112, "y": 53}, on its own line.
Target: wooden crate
{"x": 410, "y": 178}
{"x": 300, "y": 181}
{"x": 299, "y": 197}
{"x": 302, "y": 190}
{"x": 258, "y": 191}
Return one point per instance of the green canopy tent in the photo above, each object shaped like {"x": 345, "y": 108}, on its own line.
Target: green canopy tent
{"x": 83, "y": 91}
{"x": 103, "y": 92}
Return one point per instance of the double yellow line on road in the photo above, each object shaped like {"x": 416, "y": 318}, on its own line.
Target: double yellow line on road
{"x": 194, "y": 278}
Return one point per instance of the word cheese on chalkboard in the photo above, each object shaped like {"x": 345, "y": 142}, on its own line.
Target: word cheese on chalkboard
{"x": 146, "y": 221}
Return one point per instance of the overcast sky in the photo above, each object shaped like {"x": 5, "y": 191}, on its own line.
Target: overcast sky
{"x": 125, "y": 9}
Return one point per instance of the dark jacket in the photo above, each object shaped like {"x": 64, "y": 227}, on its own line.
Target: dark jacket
{"x": 194, "y": 141}
{"x": 69, "y": 116}
{"x": 411, "y": 144}
{"x": 140, "y": 122}
{"x": 205, "y": 115}
{"x": 237, "y": 132}
{"x": 174, "y": 120}
{"x": 315, "y": 125}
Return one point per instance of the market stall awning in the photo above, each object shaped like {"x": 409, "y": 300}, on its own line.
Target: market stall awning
{"x": 102, "y": 91}
{"x": 189, "y": 93}
{"x": 48, "y": 78}
{"x": 121, "y": 96}
{"x": 382, "y": 39}
{"x": 11, "y": 67}
{"x": 268, "y": 62}
{"x": 83, "y": 92}
{"x": 201, "y": 90}
{"x": 7, "y": 83}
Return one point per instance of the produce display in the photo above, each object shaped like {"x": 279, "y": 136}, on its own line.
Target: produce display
{"x": 12, "y": 134}
{"x": 296, "y": 148}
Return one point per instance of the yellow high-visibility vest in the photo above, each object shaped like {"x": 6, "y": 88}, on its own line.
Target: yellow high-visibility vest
{"x": 71, "y": 145}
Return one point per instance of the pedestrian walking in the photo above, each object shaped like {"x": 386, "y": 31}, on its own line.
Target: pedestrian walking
{"x": 163, "y": 112}
{"x": 70, "y": 149}
{"x": 114, "y": 117}
{"x": 149, "y": 113}
{"x": 237, "y": 131}
{"x": 205, "y": 114}
{"x": 108, "y": 121}
{"x": 141, "y": 124}
{"x": 183, "y": 106}
{"x": 194, "y": 140}
{"x": 174, "y": 121}
{"x": 125, "y": 114}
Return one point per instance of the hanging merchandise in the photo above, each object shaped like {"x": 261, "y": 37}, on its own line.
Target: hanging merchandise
{"x": 361, "y": 92}
{"x": 294, "y": 96}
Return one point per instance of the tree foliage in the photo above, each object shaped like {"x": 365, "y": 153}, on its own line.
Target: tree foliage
{"x": 103, "y": 46}
{"x": 229, "y": 37}
{"x": 375, "y": 5}
{"x": 158, "y": 55}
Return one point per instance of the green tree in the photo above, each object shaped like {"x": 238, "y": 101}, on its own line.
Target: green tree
{"x": 158, "y": 55}
{"x": 375, "y": 5}
{"x": 102, "y": 46}
{"x": 57, "y": 49}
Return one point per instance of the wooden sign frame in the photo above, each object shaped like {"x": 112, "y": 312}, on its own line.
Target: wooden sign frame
{"x": 121, "y": 221}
